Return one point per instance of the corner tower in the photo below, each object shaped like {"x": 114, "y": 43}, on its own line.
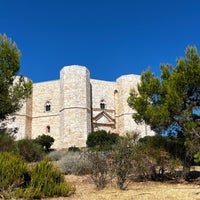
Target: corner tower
{"x": 125, "y": 122}
{"x": 75, "y": 101}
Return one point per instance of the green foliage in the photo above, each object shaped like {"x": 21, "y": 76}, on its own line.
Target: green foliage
{"x": 7, "y": 141}
{"x": 74, "y": 149}
{"x": 147, "y": 159}
{"x": 197, "y": 158}
{"x": 169, "y": 103}
{"x": 18, "y": 180}
{"x": 154, "y": 163}
{"x": 100, "y": 167}
{"x": 13, "y": 173}
{"x": 172, "y": 145}
{"x": 46, "y": 181}
{"x": 46, "y": 141}
{"x": 13, "y": 89}
{"x": 166, "y": 152}
{"x": 102, "y": 139}
{"x": 143, "y": 163}
{"x": 123, "y": 160}
{"x": 30, "y": 150}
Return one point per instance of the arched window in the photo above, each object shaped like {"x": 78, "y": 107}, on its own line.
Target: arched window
{"x": 102, "y": 104}
{"x": 48, "y": 129}
{"x": 47, "y": 106}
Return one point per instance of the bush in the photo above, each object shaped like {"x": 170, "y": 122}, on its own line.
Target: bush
{"x": 30, "y": 150}
{"x": 17, "y": 180}
{"x": 14, "y": 173}
{"x": 7, "y": 142}
{"x": 74, "y": 149}
{"x": 174, "y": 146}
{"x": 175, "y": 149}
{"x": 74, "y": 163}
{"x": 102, "y": 139}
{"x": 46, "y": 141}
{"x": 154, "y": 163}
{"x": 100, "y": 168}
{"x": 123, "y": 160}
{"x": 197, "y": 158}
{"x": 46, "y": 181}
{"x": 55, "y": 155}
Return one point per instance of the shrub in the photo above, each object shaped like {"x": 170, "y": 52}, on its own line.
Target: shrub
{"x": 13, "y": 174}
{"x": 46, "y": 141}
{"x": 175, "y": 150}
{"x": 102, "y": 139}
{"x": 55, "y": 155}
{"x": 144, "y": 162}
{"x": 100, "y": 168}
{"x": 74, "y": 149}
{"x": 174, "y": 146}
{"x": 17, "y": 180}
{"x": 74, "y": 163}
{"x": 123, "y": 160}
{"x": 197, "y": 158}
{"x": 46, "y": 181}
{"x": 7, "y": 142}
{"x": 154, "y": 163}
{"x": 30, "y": 150}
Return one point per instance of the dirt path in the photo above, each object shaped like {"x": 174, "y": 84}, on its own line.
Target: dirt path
{"x": 85, "y": 190}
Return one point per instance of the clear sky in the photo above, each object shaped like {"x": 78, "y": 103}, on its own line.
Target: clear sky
{"x": 110, "y": 37}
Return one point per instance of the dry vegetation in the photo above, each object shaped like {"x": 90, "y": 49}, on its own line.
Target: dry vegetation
{"x": 85, "y": 190}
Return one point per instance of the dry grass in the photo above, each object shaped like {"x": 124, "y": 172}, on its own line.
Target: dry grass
{"x": 85, "y": 190}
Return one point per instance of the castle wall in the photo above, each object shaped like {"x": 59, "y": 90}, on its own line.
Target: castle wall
{"x": 20, "y": 124}
{"x": 103, "y": 91}
{"x": 22, "y": 120}
{"x": 46, "y": 92}
{"x": 75, "y": 108}
{"x": 75, "y": 115}
{"x": 28, "y": 120}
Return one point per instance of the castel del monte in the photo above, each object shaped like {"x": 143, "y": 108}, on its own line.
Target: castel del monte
{"x": 70, "y": 108}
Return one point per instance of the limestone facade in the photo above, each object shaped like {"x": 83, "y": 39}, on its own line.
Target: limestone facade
{"x": 70, "y": 108}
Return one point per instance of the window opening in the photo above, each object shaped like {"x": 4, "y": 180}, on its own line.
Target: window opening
{"x": 48, "y": 106}
{"x": 102, "y": 104}
{"x": 48, "y": 129}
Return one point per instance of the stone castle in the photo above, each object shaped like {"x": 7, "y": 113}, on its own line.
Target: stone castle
{"x": 70, "y": 108}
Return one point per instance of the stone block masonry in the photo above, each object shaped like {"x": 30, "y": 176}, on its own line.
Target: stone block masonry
{"x": 70, "y": 108}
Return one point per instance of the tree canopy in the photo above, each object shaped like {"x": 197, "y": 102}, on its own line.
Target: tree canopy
{"x": 102, "y": 139}
{"x": 170, "y": 102}
{"x": 14, "y": 88}
{"x": 46, "y": 141}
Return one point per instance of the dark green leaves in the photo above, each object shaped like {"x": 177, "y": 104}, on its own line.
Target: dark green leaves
{"x": 171, "y": 99}
{"x": 13, "y": 88}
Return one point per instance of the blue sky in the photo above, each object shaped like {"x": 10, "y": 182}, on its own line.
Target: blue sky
{"x": 110, "y": 37}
